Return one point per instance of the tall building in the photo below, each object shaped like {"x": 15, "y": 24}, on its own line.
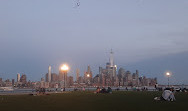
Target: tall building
{"x": 112, "y": 65}
{"x": 88, "y": 75}
{"x": 96, "y": 80}
{"x": 46, "y": 77}
{"x": 54, "y": 77}
{"x": 81, "y": 79}
{"x": 63, "y": 78}
{"x": 18, "y": 77}
{"x": 13, "y": 81}
{"x": 42, "y": 79}
{"x": 49, "y": 73}
{"x": 70, "y": 81}
{"x": 23, "y": 79}
{"x": 121, "y": 73}
{"x": 111, "y": 58}
{"x": 44, "y": 84}
{"x": 121, "y": 76}
{"x": 108, "y": 75}
{"x": 8, "y": 83}
{"x": 1, "y": 80}
{"x": 137, "y": 78}
{"x": 128, "y": 78}
{"x": 77, "y": 75}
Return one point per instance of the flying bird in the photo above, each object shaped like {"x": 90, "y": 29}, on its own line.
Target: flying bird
{"x": 77, "y": 3}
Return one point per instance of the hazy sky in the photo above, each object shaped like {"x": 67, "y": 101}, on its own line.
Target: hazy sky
{"x": 38, "y": 33}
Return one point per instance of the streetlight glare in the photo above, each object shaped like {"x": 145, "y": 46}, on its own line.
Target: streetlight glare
{"x": 64, "y": 67}
{"x": 168, "y": 74}
{"x": 88, "y": 75}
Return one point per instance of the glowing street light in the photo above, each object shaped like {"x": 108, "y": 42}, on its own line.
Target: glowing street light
{"x": 88, "y": 75}
{"x": 168, "y": 75}
{"x": 65, "y": 69}
{"x": 88, "y": 79}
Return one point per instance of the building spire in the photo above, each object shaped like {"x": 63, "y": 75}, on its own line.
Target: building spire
{"x": 88, "y": 69}
{"x": 111, "y": 58}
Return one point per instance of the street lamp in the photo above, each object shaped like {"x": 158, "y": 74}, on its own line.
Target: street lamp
{"x": 88, "y": 77}
{"x": 64, "y": 68}
{"x": 168, "y": 75}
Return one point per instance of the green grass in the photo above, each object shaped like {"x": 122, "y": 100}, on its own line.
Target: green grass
{"x": 88, "y": 101}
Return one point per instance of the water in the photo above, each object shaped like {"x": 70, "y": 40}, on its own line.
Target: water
{"x": 51, "y": 90}
{"x": 30, "y": 91}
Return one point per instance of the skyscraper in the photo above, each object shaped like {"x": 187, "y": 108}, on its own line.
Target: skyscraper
{"x": 49, "y": 73}
{"x": 77, "y": 75}
{"x": 108, "y": 75}
{"x": 121, "y": 73}
{"x": 18, "y": 77}
{"x": 1, "y": 80}
{"x": 13, "y": 82}
{"x": 111, "y": 58}
{"x": 70, "y": 81}
{"x": 23, "y": 79}
{"x": 63, "y": 77}
{"x": 137, "y": 78}
{"x": 54, "y": 77}
{"x": 112, "y": 66}
{"x": 88, "y": 75}
{"x": 121, "y": 76}
{"x": 46, "y": 77}
{"x": 128, "y": 78}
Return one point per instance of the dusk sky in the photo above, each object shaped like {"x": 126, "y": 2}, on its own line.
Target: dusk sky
{"x": 148, "y": 35}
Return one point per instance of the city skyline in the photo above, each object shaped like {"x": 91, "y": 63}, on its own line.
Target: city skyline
{"x": 107, "y": 76}
{"x": 84, "y": 74}
{"x": 149, "y": 36}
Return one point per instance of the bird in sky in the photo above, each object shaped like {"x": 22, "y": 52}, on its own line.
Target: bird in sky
{"x": 77, "y": 3}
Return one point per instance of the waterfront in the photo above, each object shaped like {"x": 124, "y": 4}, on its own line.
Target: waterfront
{"x": 14, "y": 91}
{"x": 53, "y": 90}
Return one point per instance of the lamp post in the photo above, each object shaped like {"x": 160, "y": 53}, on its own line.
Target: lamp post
{"x": 88, "y": 77}
{"x": 168, "y": 75}
{"x": 64, "y": 68}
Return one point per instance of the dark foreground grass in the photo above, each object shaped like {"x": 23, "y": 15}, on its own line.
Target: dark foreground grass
{"x": 88, "y": 101}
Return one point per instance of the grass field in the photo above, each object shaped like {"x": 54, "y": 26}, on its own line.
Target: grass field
{"x": 88, "y": 101}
